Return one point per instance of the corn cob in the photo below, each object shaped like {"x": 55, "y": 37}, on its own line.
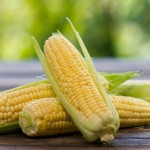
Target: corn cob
{"x": 47, "y": 117}
{"x": 134, "y": 88}
{"x": 76, "y": 84}
{"x": 132, "y": 111}
{"x": 12, "y": 101}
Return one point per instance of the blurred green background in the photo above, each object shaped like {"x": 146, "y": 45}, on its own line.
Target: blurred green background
{"x": 109, "y": 28}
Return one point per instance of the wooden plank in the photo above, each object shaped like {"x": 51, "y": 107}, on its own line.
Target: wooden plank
{"x": 135, "y": 133}
{"x": 11, "y": 82}
{"x": 110, "y": 65}
{"x": 66, "y": 148}
{"x": 21, "y": 68}
{"x": 13, "y": 74}
{"x": 117, "y": 65}
{"x": 75, "y": 141}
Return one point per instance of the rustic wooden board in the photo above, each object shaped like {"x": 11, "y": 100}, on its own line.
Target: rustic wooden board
{"x": 132, "y": 138}
{"x": 13, "y": 74}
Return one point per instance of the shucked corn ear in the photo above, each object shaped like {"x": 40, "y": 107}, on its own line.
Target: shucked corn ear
{"x": 12, "y": 101}
{"x": 135, "y": 88}
{"x": 76, "y": 84}
{"x": 36, "y": 90}
{"x": 132, "y": 111}
{"x": 46, "y": 117}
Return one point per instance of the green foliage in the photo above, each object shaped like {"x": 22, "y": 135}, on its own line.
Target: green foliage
{"x": 109, "y": 28}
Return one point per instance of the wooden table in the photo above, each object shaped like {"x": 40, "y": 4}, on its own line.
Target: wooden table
{"x": 13, "y": 74}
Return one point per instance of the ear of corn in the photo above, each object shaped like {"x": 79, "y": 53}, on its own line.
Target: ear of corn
{"x": 12, "y": 101}
{"x": 134, "y": 88}
{"x": 132, "y": 111}
{"x": 78, "y": 88}
{"x": 47, "y": 117}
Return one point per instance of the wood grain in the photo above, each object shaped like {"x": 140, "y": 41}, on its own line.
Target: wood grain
{"x": 132, "y": 138}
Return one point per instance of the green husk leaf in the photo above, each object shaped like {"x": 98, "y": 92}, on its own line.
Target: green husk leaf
{"x": 115, "y": 79}
{"x": 134, "y": 88}
{"x": 8, "y": 128}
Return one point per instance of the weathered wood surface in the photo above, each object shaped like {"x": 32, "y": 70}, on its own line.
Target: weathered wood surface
{"x": 13, "y": 74}
{"x": 126, "y": 139}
